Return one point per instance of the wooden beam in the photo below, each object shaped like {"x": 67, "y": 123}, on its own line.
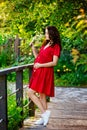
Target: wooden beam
{"x": 19, "y": 94}
{"x": 31, "y": 104}
{"x": 3, "y": 102}
{"x": 16, "y": 68}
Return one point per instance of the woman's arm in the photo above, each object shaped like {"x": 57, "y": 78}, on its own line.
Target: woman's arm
{"x": 34, "y": 50}
{"x": 49, "y": 64}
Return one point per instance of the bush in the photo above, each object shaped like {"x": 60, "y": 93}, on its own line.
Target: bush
{"x": 14, "y": 113}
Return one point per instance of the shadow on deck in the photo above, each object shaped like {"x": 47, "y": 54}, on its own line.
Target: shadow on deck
{"x": 69, "y": 111}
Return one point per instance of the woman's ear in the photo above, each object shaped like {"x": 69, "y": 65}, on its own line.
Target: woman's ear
{"x": 51, "y": 42}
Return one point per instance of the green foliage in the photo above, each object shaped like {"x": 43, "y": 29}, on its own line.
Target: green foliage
{"x": 29, "y": 18}
{"x": 3, "y": 40}
{"x": 74, "y": 42}
{"x": 6, "y": 51}
{"x": 11, "y": 77}
{"x": 5, "y": 58}
{"x": 14, "y": 113}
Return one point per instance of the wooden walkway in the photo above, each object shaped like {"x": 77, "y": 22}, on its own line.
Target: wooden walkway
{"x": 69, "y": 111}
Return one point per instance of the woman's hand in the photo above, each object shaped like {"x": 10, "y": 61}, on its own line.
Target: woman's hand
{"x": 31, "y": 44}
{"x": 49, "y": 64}
{"x": 37, "y": 65}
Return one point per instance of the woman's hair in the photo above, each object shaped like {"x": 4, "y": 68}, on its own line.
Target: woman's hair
{"x": 53, "y": 35}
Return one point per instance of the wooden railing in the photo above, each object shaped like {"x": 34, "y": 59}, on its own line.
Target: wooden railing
{"x": 19, "y": 92}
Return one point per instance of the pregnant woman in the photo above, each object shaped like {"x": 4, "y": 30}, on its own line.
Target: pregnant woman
{"x": 42, "y": 79}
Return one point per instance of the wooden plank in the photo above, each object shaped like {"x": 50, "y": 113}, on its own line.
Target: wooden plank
{"x": 69, "y": 106}
{"x": 19, "y": 85}
{"x": 37, "y": 128}
{"x": 55, "y": 122}
{"x": 3, "y": 102}
{"x": 19, "y": 94}
{"x": 68, "y": 111}
{"x": 17, "y": 47}
{"x": 16, "y": 68}
{"x": 54, "y": 126}
{"x": 68, "y": 115}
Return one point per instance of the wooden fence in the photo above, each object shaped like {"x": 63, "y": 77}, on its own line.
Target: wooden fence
{"x": 19, "y": 92}
{"x": 12, "y": 46}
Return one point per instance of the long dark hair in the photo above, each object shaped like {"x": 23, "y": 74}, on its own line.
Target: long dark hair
{"x": 53, "y": 35}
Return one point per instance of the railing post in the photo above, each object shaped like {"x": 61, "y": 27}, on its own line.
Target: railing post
{"x": 31, "y": 104}
{"x": 3, "y": 102}
{"x": 19, "y": 94}
{"x": 16, "y": 47}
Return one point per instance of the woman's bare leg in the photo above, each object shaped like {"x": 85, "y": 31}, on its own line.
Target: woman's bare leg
{"x": 43, "y": 100}
{"x": 35, "y": 99}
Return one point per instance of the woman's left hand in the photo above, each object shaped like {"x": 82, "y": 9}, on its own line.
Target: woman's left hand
{"x": 37, "y": 65}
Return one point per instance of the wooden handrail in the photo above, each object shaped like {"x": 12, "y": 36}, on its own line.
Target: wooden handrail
{"x": 19, "y": 94}
{"x": 14, "y": 69}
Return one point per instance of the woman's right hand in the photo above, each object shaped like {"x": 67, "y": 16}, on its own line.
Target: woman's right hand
{"x": 31, "y": 44}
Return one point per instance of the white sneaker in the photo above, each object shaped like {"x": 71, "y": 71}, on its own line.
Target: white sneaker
{"x": 46, "y": 116}
{"x": 39, "y": 122}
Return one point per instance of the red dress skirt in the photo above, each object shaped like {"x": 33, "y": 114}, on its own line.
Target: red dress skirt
{"x": 42, "y": 79}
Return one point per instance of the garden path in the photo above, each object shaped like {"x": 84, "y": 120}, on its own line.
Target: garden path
{"x": 69, "y": 111}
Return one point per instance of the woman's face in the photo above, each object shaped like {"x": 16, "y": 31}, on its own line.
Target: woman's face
{"x": 47, "y": 34}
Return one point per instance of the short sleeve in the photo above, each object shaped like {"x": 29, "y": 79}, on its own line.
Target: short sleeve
{"x": 57, "y": 50}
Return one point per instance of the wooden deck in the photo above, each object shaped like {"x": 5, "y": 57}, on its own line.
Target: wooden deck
{"x": 69, "y": 111}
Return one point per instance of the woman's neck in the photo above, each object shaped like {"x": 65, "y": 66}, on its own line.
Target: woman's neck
{"x": 47, "y": 45}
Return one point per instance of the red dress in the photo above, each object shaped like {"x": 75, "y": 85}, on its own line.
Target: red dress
{"x": 42, "y": 79}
